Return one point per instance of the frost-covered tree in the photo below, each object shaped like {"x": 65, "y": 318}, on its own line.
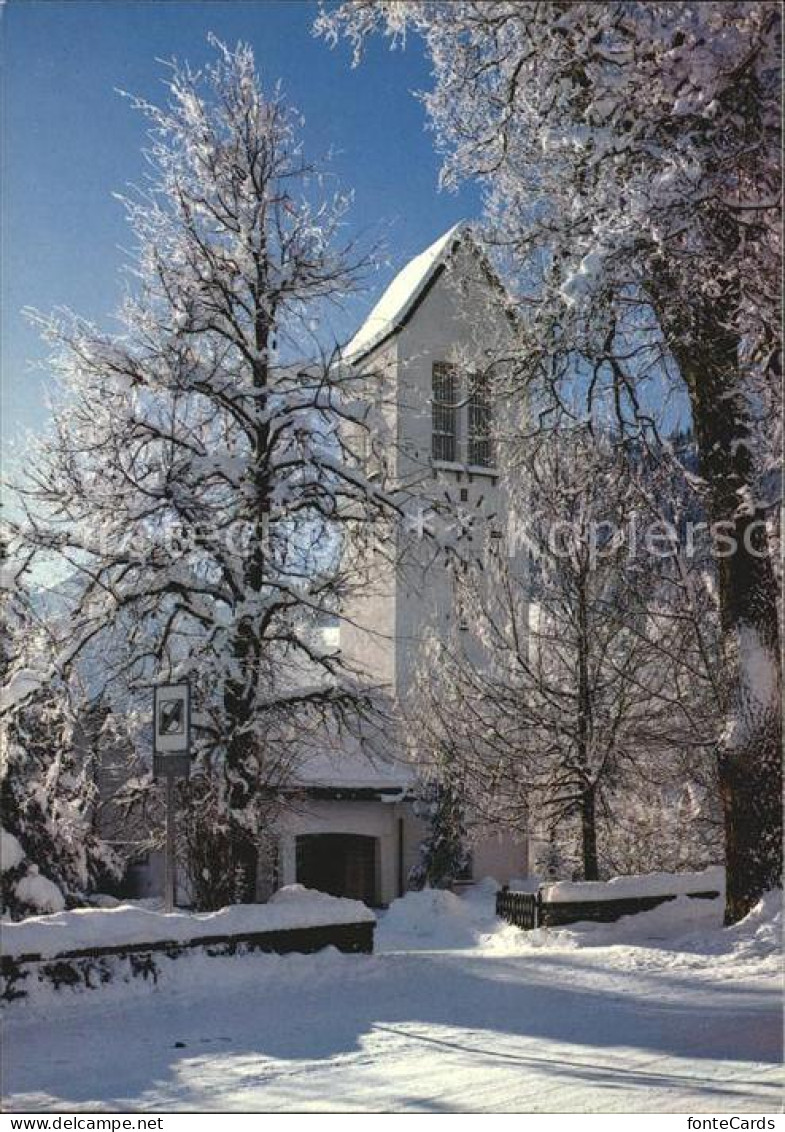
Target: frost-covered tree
{"x": 537, "y": 693}
{"x": 573, "y": 685}
{"x": 196, "y": 479}
{"x": 668, "y": 813}
{"x": 631, "y": 157}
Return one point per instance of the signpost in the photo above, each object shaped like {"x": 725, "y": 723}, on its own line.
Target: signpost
{"x": 171, "y": 758}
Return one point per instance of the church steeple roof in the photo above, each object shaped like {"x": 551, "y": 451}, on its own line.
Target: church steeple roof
{"x": 402, "y": 296}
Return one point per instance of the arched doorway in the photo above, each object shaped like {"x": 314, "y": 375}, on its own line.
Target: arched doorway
{"x": 343, "y": 864}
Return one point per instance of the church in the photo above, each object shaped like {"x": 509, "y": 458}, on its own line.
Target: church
{"x": 421, "y": 357}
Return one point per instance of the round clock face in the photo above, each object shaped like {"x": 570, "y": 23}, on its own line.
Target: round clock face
{"x": 462, "y": 531}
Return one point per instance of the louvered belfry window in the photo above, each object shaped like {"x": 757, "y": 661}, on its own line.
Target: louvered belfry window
{"x": 480, "y": 452}
{"x": 444, "y": 410}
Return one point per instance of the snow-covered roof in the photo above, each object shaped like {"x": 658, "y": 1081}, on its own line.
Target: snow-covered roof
{"x": 342, "y": 765}
{"x": 403, "y": 294}
{"x": 353, "y": 772}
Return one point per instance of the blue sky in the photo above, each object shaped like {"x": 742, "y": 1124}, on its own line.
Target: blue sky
{"x": 70, "y": 141}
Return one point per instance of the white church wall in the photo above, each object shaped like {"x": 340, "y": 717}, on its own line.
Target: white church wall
{"x": 367, "y": 630}
{"x": 458, "y": 321}
{"x": 500, "y": 856}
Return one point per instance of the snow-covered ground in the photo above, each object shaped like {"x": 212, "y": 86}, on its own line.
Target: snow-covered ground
{"x": 454, "y": 1012}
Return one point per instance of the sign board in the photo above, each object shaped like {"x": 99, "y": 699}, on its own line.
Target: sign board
{"x": 172, "y": 729}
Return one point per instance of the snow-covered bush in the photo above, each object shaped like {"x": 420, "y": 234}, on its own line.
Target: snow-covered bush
{"x": 51, "y": 852}
{"x": 36, "y": 892}
{"x": 48, "y": 798}
{"x": 25, "y": 892}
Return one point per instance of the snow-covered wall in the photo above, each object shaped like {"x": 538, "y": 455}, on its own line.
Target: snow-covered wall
{"x": 87, "y": 929}
{"x": 647, "y": 884}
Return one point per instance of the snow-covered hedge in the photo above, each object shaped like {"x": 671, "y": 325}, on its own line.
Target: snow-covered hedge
{"x": 630, "y": 887}
{"x": 91, "y": 929}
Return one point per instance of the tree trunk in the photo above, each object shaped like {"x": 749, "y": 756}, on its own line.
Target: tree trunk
{"x": 591, "y": 870}
{"x": 588, "y": 795}
{"x": 750, "y": 749}
{"x": 244, "y": 861}
{"x": 243, "y": 755}
{"x": 750, "y": 752}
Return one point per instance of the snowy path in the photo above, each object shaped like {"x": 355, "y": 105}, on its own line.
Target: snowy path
{"x": 497, "y": 1026}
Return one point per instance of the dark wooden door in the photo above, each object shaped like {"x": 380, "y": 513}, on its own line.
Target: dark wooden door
{"x": 343, "y": 864}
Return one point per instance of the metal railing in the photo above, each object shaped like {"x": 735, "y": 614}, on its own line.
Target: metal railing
{"x": 519, "y": 908}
